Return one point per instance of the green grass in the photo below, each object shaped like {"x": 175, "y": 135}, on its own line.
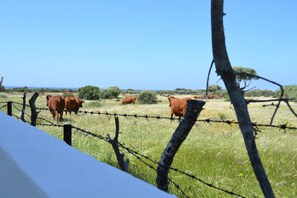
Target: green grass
{"x": 214, "y": 153}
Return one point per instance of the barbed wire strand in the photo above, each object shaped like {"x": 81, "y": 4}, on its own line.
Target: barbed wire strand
{"x": 137, "y": 154}
{"x": 53, "y": 124}
{"x": 178, "y": 188}
{"x": 92, "y": 134}
{"x": 18, "y": 103}
{"x": 207, "y": 120}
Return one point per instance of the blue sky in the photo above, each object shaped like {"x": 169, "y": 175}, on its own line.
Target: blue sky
{"x": 142, "y": 44}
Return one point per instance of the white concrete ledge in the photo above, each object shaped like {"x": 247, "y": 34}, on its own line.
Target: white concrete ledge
{"x": 34, "y": 164}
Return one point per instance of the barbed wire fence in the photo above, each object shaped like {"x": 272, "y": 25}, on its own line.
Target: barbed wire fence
{"x": 146, "y": 160}
{"x": 141, "y": 157}
{"x": 283, "y": 126}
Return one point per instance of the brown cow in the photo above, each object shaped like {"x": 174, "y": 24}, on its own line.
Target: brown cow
{"x": 73, "y": 104}
{"x": 199, "y": 96}
{"x": 178, "y": 106}
{"x": 56, "y": 105}
{"x": 129, "y": 100}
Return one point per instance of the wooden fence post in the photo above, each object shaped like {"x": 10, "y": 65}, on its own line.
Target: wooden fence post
{"x": 34, "y": 113}
{"x": 67, "y": 133}
{"x": 9, "y": 108}
{"x": 24, "y": 107}
{"x": 194, "y": 107}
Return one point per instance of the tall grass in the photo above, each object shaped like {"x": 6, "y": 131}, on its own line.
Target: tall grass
{"x": 214, "y": 153}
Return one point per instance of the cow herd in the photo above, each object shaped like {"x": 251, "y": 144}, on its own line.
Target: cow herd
{"x": 178, "y": 106}
{"x": 57, "y": 105}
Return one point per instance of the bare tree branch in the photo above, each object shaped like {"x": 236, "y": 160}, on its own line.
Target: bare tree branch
{"x": 225, "y": 70}
{"x": 207, "y": 82}
{"x": 268, "y": 100}
{"x": 280, "y": 99}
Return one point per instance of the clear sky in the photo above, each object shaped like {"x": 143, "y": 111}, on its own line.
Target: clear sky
{"x": 142, "y": 44}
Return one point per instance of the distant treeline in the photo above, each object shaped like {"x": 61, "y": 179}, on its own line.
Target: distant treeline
{"x": 32, "y": 90}
{"x": 290, "y": 91}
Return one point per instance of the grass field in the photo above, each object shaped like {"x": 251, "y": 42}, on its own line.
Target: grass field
{"x": 213, "y": 152}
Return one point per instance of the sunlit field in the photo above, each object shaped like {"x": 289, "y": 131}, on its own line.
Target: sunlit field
{"x": 213, "y": 152}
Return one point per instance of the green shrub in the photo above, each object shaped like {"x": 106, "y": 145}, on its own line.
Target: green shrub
{"x": 222, "y": 116}
{"x": 290, "y": 91}
{"x": 147, "y": 97}
{"x": 111, "y": 92}
{"x": 130, "y": 91}
{"x": 68, "y": 93}
{"x": 89, "y": 92}
{"x": 226, "y": 96}
{"x": 105, "y": 94}
{"x": 114, "y": 91}
{"x": 19, "y": 89}
{"x": 258, "y": 93}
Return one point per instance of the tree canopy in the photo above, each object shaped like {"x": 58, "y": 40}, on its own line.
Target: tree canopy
{"x": 244, "y": 75}
{"x": 89, "y": 92}
{"x": 214, "y": 88}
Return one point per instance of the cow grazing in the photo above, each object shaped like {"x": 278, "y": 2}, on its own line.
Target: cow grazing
{"x": 56, "y": 105}
{"x": 73, "y": 104}
{"x": 178, "y": 106}
{"x": 129, "y": 100}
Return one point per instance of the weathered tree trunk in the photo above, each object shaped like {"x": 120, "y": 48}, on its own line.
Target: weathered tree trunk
{"x": 226, "y": 72}
{"x": 194, "y": 108}
{"x": 34, "y": 113}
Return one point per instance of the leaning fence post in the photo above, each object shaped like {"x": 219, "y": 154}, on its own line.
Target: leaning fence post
{"x": 9, "y": 108}
{"x": 67, "y": 133}
{"x": 24, "y": 108}
{"x": 194, "y": 107}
